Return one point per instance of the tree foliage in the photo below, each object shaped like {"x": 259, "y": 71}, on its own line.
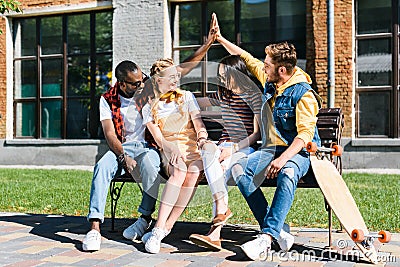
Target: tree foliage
{"x": 9, "y": 5}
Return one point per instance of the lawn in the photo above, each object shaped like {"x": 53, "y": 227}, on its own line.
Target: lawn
{"x": 67, "y": 192}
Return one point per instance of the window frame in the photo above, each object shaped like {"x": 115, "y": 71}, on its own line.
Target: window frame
{"x": 63, "y": 97}
{"x": 237, "y": 32}
{"x": 393, "y": 89}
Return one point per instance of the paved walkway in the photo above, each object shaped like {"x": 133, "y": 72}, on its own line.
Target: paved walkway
{"x": 49, "y": 240}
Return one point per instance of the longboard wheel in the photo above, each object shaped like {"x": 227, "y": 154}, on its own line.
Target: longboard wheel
{"x": 311, "y": 147}
{"x": 337, "y": 150}
{"x": 357, "y": 235}
{"x": 385, "y": 236}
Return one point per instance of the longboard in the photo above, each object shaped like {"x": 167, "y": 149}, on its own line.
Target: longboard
{"x": 339, "y": 198}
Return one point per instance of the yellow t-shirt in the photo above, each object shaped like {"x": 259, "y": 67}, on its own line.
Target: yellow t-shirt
{"x": 306, "y": 108}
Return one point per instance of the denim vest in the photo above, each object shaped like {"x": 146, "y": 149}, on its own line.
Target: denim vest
{"x": 284, "y": 113}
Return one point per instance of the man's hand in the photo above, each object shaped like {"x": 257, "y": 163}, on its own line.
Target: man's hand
{"x": 215, "y": 26}
{"x": 130, "y": 163}
{"x": 214, "y": 29}
{"x": 274, "y": 167}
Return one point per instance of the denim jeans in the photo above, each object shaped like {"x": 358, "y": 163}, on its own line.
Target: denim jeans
{"x": 148, "y": 166}
{"x": 271, "y": 218}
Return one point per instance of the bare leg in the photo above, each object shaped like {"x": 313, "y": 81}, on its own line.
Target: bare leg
{"x": 187, "y": 192}
{"x": 170, "y": 194}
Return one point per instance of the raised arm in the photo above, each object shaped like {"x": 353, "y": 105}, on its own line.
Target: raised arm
{"x": 255, "y": 66}
{"x": 193, "y": 60}
{"x": 228, "y": 45}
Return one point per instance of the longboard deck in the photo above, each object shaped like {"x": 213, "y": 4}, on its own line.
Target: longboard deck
{"x": 339, "y": 198}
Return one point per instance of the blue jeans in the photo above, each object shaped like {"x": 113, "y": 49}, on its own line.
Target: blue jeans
{"x": 148, "y": 166}
{"x": 271, "y": 218}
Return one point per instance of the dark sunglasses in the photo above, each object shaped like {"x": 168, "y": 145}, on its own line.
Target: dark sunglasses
{"x": 138, "y": 83}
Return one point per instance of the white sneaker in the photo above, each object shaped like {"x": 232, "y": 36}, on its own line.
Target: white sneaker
{"x": 257, "y": 248}
{"x": 147, "y": 235}
{"x": 285, "y": 240}
{"x": 92, "y": 241}
{"x": 153, "y": 244}
{"x": 137, "y": 229}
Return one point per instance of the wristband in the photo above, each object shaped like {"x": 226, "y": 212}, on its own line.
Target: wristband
{"x": 121, "y": 158}
{"x": 235, "y": 147}
{"x": 204, "y": 131}
{"x": 200, "y": 138}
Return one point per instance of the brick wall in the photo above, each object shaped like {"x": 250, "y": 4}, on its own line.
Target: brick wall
{"x": 138, "y": 32}
{"x": 317, "y": 53}
{"x": 3, "y": 91}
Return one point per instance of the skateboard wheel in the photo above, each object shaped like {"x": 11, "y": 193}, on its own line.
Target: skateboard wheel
{"x": 384, "y": 236}
{"x": 357, "y": 235}
{"x": 337, "y": 150}
{"x": 311, "y": 147}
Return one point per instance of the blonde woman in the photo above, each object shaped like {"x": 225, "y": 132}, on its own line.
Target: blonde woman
{"x": 173, "y": 118}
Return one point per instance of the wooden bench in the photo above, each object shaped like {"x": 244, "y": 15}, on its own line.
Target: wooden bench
{"x": 330, "y": 126}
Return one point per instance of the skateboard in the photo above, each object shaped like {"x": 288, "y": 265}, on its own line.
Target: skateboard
{"x": 339, "y": 198}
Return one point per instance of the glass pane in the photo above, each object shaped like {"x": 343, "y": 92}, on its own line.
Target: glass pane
{"x": 25, "y": 78}
{"x": 225, "y": 11}
{"x": 51, "y": 119}
{"x": 78, "y": 118}
{"x": 189, "y": 31}
{"x": 291, "y": 24}
{"x": 374, "y": 113}
{"x": 78, "y": 76}
{"x": 103, "y": 73}
{"x": 52, "y": 77}
{"x": 374, "y": 62}
{"x": 104, "y": 31}
{"x": 255, "y": 20}
{"x": 25, "y": 120}
{"x": 51, "y": 35}
{"x": 374, "y": 16}
{"x": 257, "y": 50}
{"x": 25, "y": 37}
{"x": 78, "y": 31}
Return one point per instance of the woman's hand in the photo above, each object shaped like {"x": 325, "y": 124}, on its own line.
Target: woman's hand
{"x": 176, "y": 155}
{"x": 214, "y": 27}
{"x": 225, "y": 153}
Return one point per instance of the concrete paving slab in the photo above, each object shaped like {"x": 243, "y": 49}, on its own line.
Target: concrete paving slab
{"x": 43, "y": 240}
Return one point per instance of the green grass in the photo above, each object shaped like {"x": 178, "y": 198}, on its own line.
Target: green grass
{"x": 67, "y": 192}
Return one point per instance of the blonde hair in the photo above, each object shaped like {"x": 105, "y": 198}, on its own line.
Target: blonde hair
{"x": 156, "y": 69}
{"x": 283, "y": 54}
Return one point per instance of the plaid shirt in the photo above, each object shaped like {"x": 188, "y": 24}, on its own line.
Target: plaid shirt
{"x": 113, "y": 100}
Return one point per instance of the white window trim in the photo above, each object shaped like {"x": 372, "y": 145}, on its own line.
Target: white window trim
{"x": 61, "y": 9}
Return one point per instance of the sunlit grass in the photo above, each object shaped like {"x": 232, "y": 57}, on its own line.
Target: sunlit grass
{"x": 67, "y": 192}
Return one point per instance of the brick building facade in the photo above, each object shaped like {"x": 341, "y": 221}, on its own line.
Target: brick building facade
{"x": 143, "y": 31}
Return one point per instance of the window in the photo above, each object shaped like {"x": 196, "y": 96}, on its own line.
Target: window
{"x": 252, "y": 24}
{"x": 377, "y": 38}
{"x": 62, "y": 64}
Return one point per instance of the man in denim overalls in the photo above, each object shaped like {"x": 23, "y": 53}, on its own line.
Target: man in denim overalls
{"x": 289, "y": 117}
